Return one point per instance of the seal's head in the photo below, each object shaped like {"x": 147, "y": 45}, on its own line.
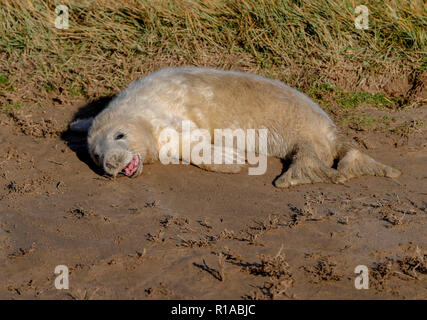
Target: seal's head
{"x": 120, "y": 146}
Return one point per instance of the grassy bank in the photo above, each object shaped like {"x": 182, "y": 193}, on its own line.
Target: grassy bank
{"x": 311, "y": 45}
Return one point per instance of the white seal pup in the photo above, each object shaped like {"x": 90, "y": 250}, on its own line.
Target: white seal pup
{"x": 126, "y": 133}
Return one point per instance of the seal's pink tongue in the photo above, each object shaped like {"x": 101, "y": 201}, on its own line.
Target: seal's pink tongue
{"x": 132, "y": 167}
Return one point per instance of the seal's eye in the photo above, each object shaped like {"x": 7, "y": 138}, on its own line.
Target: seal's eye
{"x": 119, "y": 136}
{"x": 96, "y": 157}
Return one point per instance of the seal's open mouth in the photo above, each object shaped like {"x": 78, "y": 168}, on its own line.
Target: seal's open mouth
{"x": 133, "y": 166}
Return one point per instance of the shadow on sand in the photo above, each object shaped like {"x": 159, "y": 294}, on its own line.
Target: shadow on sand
{"x": 76, "y": 141}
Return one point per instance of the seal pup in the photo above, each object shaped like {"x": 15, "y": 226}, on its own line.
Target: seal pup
{"x": 126, "y": 134}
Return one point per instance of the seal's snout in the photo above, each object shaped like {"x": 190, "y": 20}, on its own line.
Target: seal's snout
{"x": 122, "y": 162}
{"x": 114, "y": 162}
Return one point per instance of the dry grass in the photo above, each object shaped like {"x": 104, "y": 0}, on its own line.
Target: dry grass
{"x": 111, "y": 43}
{"x": 323, "y": 270}
{"x": 217, "y": 274}
{"x": 156, "y": 238}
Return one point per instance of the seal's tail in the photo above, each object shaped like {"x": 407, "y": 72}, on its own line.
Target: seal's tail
{"x": 354, "y": 163}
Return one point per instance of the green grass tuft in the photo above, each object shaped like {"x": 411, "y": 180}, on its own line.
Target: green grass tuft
{"x": 3, "y": 80}
{"x": 351, "y": 100}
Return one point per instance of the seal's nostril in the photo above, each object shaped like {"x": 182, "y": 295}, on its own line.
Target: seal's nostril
{"x": 111, "y": 162}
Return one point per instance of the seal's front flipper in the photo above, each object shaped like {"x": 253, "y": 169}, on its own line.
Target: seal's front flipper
{"x": 224, "y": 160}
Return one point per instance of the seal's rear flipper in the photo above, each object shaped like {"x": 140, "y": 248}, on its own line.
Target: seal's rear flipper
{"x": 306, "y": 167}
{"x": 354, "y": 163}
{"x": 81, "y": 125}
